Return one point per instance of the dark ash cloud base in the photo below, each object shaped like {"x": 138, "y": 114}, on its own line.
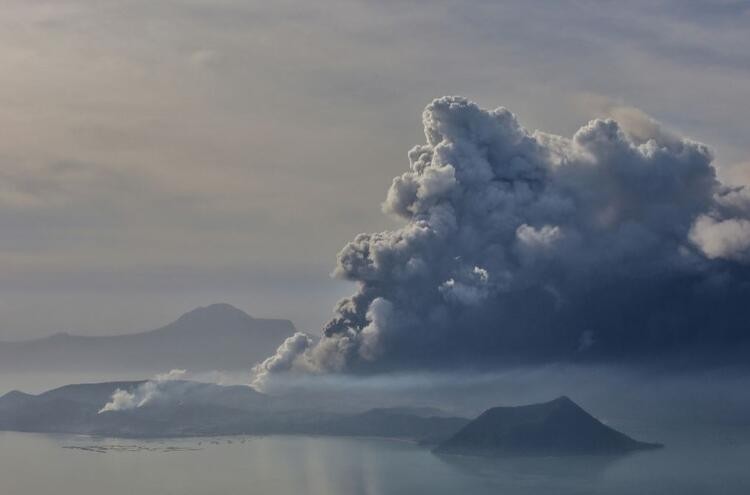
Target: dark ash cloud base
{"x": 519, "y": 246}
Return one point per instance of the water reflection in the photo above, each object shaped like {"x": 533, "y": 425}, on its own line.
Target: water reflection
{"x": 41, "y": 465}
{"x": 575, "y": 467}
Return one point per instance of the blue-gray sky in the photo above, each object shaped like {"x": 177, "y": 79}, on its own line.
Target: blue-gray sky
{"x": 159, "y": 155}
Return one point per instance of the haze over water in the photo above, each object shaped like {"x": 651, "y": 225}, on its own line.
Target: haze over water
{"x": 693, "y": 463}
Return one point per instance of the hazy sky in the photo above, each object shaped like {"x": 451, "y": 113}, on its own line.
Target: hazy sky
{"x": 157, "y": 155}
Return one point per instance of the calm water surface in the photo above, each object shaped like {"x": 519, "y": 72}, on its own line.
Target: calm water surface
{"x": 33, "y": 464}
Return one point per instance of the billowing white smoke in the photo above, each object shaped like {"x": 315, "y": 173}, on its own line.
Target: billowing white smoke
{"x": 521, "y": 244}
{"x": 145, "y": 393}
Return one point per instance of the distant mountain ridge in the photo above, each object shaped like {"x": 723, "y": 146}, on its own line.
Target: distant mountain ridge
{"x": 218, "y": 336}
{"x": 556, "y": 428}
{"x": 185, "y": 408}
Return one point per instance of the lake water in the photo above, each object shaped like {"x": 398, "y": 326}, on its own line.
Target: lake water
{"x": 34, "y": 464}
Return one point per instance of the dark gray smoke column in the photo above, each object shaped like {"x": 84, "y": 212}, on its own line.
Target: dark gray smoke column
{"x": 523, "y": 246}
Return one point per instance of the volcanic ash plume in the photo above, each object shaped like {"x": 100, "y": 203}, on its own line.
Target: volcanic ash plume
{"x": 524, "y": 246}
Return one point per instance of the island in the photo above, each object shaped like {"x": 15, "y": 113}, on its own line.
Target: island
{"x": 556, "y": 428}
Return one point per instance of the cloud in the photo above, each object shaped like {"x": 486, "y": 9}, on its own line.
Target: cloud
{"x": 639, "y": 126}
{"x": 518, "y": 245}
{"x": 729, "y": 239}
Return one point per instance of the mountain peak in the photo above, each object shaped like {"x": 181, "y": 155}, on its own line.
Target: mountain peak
{"x": 564, "y": 400}
{"x": 557, "y": 427}
{"x": 15, "y": 394}
{"x": 214, "y": 312}
{"x": 213, "y": 337}
{"x": 207, "y": 320}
